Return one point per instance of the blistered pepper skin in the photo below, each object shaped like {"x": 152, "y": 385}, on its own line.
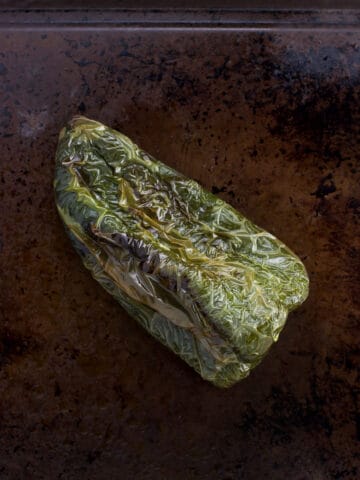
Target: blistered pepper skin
{"x": 194, "y": 272}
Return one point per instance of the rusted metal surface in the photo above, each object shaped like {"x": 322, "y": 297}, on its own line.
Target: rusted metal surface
{"x": 269, "y": 120}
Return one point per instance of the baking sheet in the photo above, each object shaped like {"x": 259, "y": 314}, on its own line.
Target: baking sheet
{"x": 262, "y": 110}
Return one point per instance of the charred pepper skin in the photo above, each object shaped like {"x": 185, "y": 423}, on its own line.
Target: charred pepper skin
{"x": 194, "y": 272}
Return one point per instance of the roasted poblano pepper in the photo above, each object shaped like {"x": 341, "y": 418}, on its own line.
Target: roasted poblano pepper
{"x": 198, "y": 275}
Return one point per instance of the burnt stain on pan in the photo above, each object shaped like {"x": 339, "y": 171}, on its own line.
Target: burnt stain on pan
{"x": 14, "y": 345}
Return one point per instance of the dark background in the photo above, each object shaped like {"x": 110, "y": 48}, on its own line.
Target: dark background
{"x": 249, "y": 4}
{"x": 262, "y": 109}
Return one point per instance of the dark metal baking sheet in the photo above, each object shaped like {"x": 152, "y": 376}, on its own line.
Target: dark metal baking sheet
{"x": 261, "y": 107}
{"x": 181, "y": 4}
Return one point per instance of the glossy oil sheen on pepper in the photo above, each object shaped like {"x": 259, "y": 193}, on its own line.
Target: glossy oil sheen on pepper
{"x": 199, "y": 276}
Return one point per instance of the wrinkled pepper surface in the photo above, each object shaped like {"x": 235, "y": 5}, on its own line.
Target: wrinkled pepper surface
{"x": 194, "y": 272}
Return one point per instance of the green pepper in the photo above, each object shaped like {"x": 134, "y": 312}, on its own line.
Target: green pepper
{"x": 199, "y": 276}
